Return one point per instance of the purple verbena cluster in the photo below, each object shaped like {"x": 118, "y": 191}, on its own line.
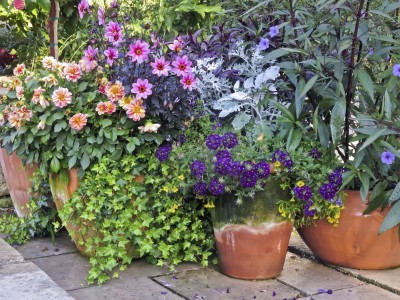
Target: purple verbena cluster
{"x": 328, "y": 190}
{"x": 162, "y": 153}
{"x": 247, "y": 172}
{"x": 315, "y": 153}
{"x": 282, "y": 157}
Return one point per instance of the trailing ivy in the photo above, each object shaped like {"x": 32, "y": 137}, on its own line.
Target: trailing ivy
{"x": 42, "y": 219}
{"x": 136, "y": 208}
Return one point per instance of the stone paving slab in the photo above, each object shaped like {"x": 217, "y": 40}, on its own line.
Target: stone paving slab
{"x": 134, "y": 289}
{"x": 309, "y": 276}
{"x": 42, "y": 247}
{"x": 364, "y": 292}
{"x": 27, "y": 281}
{"x": 68, "y": 270}
{"x": 8, "y": 254}
{"x": 210, "y": 284}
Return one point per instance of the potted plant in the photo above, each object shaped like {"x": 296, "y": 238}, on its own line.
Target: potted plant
{"x": 233, "y": 176}
{"x": 340, "y": 60}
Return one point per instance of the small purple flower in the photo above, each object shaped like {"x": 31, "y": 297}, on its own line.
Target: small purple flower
{"x": 229, "y": 140}
{"x": 387, "y": 156}
{"x": 303, "y": 192}
{"x": 264, "y": 44}
{"x": 339, "y": 202}
{"x": 396, "y": 70}
{"x": 235, "y": 169}
{"x": 371, "y": 51}
{"x": 182, "y": 138}
{"x": 262, "y": 169}
{"x": 216, "y": 188}
{"x": 221, "y": 166}
{"x": 213, "y": 141}
{"x": 248, "y": 165}
{"x": 336, "y": 178}
{"x": 200, "y": 188}
{"x": 328, "y": 191}
{"x": 315, "y": 153}
{"x": 162, "y": 153}
{"x": 223, "y": 154}
{"x": 197, "y": 168}
{"x": 249, "y": 179}
{"x": 274, "y": 31}
{"x": 288, "y": 163}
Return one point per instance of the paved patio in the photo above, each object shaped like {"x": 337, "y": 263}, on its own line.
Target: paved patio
{"x": 40, "y": 270}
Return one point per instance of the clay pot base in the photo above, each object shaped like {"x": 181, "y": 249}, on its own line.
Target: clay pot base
{"x": 252, "y": 252}
{"x": 355, "y": 243}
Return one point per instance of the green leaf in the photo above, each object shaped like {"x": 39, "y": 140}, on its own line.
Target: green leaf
{"x": 375, "y": 136}
{"x": 55, "y": 165}
{"x": 387, "y": 105}
{"x": 392, "y": 218}
{"x": 284, "y": 110}
{"x": 395, "y": 195}
{"x": 60, "y": 126}
{"x": 82, "y": 86}
{"x": 337, "y": 120}
{"x": 304, "y": 91}
{"x": 364, "y": 178}
{"x": 366, "y": 82}
{"x": 294, "y": 139}
{"x": 72, "y": 161}
{"x": 105, "y": 122}
{"x": 85, "y": 161}
{"x": 240, "y": 120}
{"x": 130, "y": 147}
{"x": 323, "y": 133}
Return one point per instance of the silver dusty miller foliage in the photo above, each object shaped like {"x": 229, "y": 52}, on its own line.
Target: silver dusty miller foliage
{"x": 246, "y": 100}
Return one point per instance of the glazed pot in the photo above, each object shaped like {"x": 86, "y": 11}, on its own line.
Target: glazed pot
{"x": 62, "y": 186}
{"x": 17, "y": 180}
{"x": 251, "y": 238}
{"x": 355, "y": 243}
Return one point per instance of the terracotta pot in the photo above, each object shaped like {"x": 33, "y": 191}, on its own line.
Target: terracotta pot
{"x": 355, "y": 243}
{"x": 251, "y": 239}
{"x": 17, "y": 180}
{"x": 62, "y": 187}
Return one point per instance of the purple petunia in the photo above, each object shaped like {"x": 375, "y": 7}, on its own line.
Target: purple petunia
{"x": 274, "y": 31}
{"x": 229, "y": 140}
{"x": 396, "y": 70}
{"x": 264, "y": 44}
{"x": 213, "y": 141}
{"x": 303, "y": 192}
{"x": 328, "y": 191}
{"x": 216, "y": 188}
{"x": 249, "y": 179}
{"x": 388, "y": 157}
{"x": 197, "y": 168}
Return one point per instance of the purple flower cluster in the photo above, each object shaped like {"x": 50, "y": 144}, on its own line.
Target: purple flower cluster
{"x": 328, "y": 190}
{"x": 247, "y": 172}
{"x": 162, "y": 153}
{"x": 282, "y": 157}
{"x": 303, "y": 192}
{"x": 315, "y": 153}
{"x": 307, "y": 211}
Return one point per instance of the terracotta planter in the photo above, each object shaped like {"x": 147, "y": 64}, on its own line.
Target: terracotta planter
{"x": 251, "y": 239}
{"x": 355, "y": 243}
{"x": 17, "y": 180}
{"x": 62, "y": 187}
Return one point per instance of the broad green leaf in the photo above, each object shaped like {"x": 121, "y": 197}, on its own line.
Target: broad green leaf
{"x": 392, "y": 218}
{"x": 323, "y": 133}
{"x": 345, "y": 43}
{"x": 374, "y": 137}
{"x": 308, "y": 85}
{"x": 82, "y": 86}
{"x": 283, "y": 110}
{"x": 364, "y": 178}
{"x": 55, "y": 165}
{"x": 85, "y": 161}
{"x": 366, "y": 82}
{"x": 337, "y": 120}
{"x": 381, "y": 13}
{"x": 281, "y": 52}
{"x": 130, "y": 147}
{"x": 72, "y": 162}
{"x": 105, "y": 122}
{"x": 294, "y": 139}
{"x": 395, "y": 194}
{"x": 387, "y": 106}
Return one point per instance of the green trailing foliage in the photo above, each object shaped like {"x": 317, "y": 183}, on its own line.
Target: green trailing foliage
{"x": 40, "y": 222}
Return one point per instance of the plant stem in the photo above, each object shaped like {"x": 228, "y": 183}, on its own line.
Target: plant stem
{"x": 349, "y": 88}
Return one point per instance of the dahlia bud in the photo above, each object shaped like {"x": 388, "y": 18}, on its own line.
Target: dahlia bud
{"x": 19, "y": 4}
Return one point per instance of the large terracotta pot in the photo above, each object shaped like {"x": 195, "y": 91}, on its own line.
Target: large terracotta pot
{"x": 17, "y": 180}
{"x": 251, "y": 239}
{"x": 62, "y": 186}
{"x": 355, "y": 243}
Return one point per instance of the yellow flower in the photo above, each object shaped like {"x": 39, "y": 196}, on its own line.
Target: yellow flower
{"x": 300, "y": 183}
{"x": 277, "y": 164}
{"x": 166, "y": 189}
{"x": 209, "y": 205}
{"x": 181, "y": 177}
{"x": 292, "y": 200}
{"x": 175, "y": 189}
{"x": 173, "y": 208}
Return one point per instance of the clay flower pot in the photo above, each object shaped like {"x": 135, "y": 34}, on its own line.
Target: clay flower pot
{"x": 17, "y": 180}
{"x": 355, "y": 243}
{"x": 251, "y": 239}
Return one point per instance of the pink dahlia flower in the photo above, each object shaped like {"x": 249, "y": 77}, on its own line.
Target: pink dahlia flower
{"x": 160, "y": 66}
{"x": 142, "y": 88}
{"x": 139, "y": 51}
{"x": 61, "y": 97}
{"x": 182, "y": 65}
{"x": 78, "y": 121}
